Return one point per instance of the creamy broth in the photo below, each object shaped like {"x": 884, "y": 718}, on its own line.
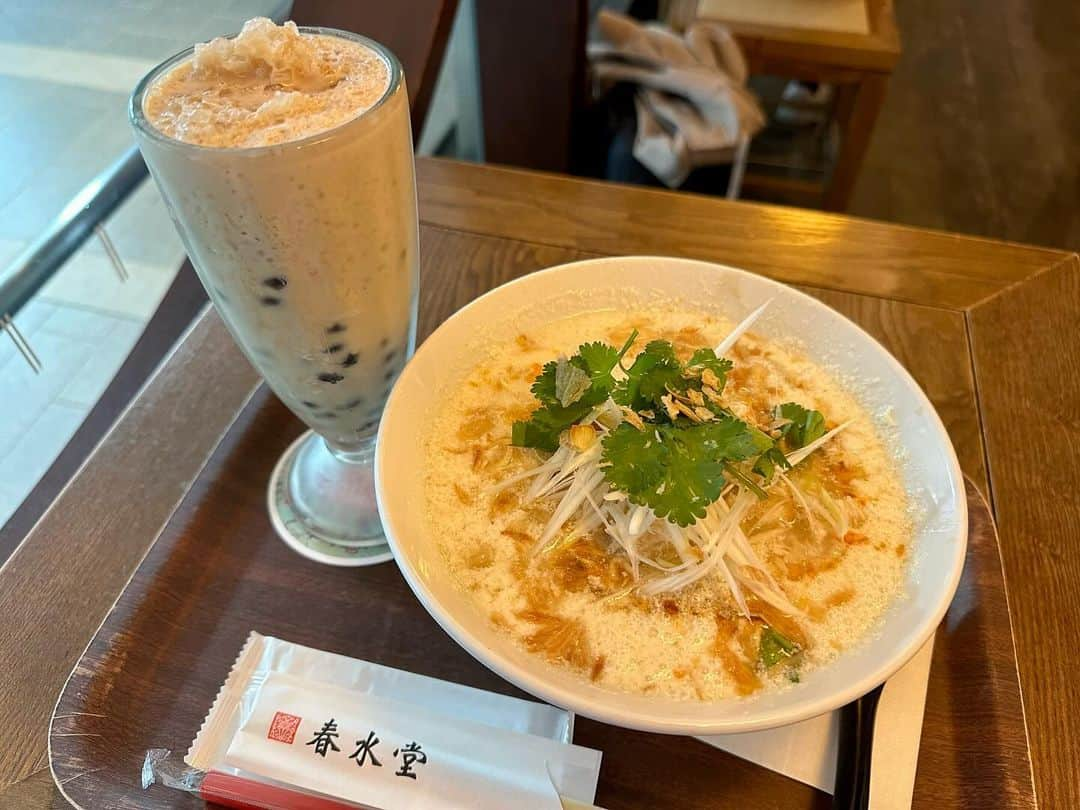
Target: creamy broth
{"x": 577, "y": 604}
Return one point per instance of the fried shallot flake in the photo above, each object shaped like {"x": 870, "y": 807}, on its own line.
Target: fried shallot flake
{"x": 557, "y": 638}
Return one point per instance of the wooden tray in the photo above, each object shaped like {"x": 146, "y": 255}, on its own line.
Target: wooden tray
{"x": 218, "y": 571}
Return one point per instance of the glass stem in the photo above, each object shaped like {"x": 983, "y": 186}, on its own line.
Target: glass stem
{"x": 363, "y": 452}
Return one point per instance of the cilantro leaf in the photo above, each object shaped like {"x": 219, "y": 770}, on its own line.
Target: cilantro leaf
{"x": 706, "y": 358}
{"x": 559, "y": 381}
{"x": 543, "y": 387}
{"x": 653, "y": 371}
{"x": 542, "y": 429}
{"x": 664, "y": 468}
{"x": 677, "y": 466}
{"x": 805, "y": 425}
{"x": 734, "y": 440}
{"x": 769, "y": 462}
{"x": 567, "y": 388}
{"x": 571, "y": 382}
{"x": 598, "y": 360}
{"x": 534, "y": 432}
{"x": 677, "y": 470}
{"x": 775, "y": 647}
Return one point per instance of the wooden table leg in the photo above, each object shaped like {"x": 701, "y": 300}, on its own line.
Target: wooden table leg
{"x": 857, "y": 108}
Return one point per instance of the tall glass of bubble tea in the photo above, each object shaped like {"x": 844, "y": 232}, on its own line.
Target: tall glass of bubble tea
{"x": 284, "y": 155}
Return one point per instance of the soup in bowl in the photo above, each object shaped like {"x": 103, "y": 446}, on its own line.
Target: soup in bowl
{"x": 671, "y": 495}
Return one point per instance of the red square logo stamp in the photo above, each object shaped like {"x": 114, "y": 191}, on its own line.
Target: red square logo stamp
{"x": 283, "y": 728}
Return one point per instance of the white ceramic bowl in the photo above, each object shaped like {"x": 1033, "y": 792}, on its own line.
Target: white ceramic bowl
{"x": 929, "y": 467}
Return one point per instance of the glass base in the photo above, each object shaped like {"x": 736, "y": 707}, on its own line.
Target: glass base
{"x": 323, "y": 504}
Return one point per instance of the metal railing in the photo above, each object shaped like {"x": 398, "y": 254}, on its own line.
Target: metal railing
{"x": 78, "y": 221}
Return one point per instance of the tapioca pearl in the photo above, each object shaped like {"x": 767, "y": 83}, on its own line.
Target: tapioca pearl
{"x": 368, "y": 425}
{"x": 389, "y": 375}
{"x": 334, "y": 348}
{"x": 390, "y": 356}
{"x": 269, "y": 300}
{"x": 307, "y": 403}
{"x": 334, "y": 328}
{"x": 276, "y": 282}
{"x": 326, "y": 415}
{"x": 384, "y": 343}
{"x": 330, "y": 377}
{"x": 350, "y": 359}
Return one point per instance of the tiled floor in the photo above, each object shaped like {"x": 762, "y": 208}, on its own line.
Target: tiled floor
{"x": 66, "y": 68}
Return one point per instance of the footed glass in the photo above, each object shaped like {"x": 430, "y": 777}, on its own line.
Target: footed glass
{"x": 309, "y": 251}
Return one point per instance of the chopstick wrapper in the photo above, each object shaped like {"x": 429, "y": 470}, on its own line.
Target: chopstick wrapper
{"x": 383, "y": 738}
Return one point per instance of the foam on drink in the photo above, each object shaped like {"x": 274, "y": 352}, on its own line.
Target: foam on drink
{"x": 269, "y": 84}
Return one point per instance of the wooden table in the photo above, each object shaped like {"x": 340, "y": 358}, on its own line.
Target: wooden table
{"x": 857, "y": 63}
{"x": 988, "y": 329}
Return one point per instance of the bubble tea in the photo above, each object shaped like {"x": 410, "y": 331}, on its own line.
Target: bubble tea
{"x": 285, "y": 157}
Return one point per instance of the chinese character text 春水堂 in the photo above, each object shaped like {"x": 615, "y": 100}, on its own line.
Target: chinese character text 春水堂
{"x": 410, "y": 754}
{"x": 324, "y": 739}
{"x": 365, "y": 749}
